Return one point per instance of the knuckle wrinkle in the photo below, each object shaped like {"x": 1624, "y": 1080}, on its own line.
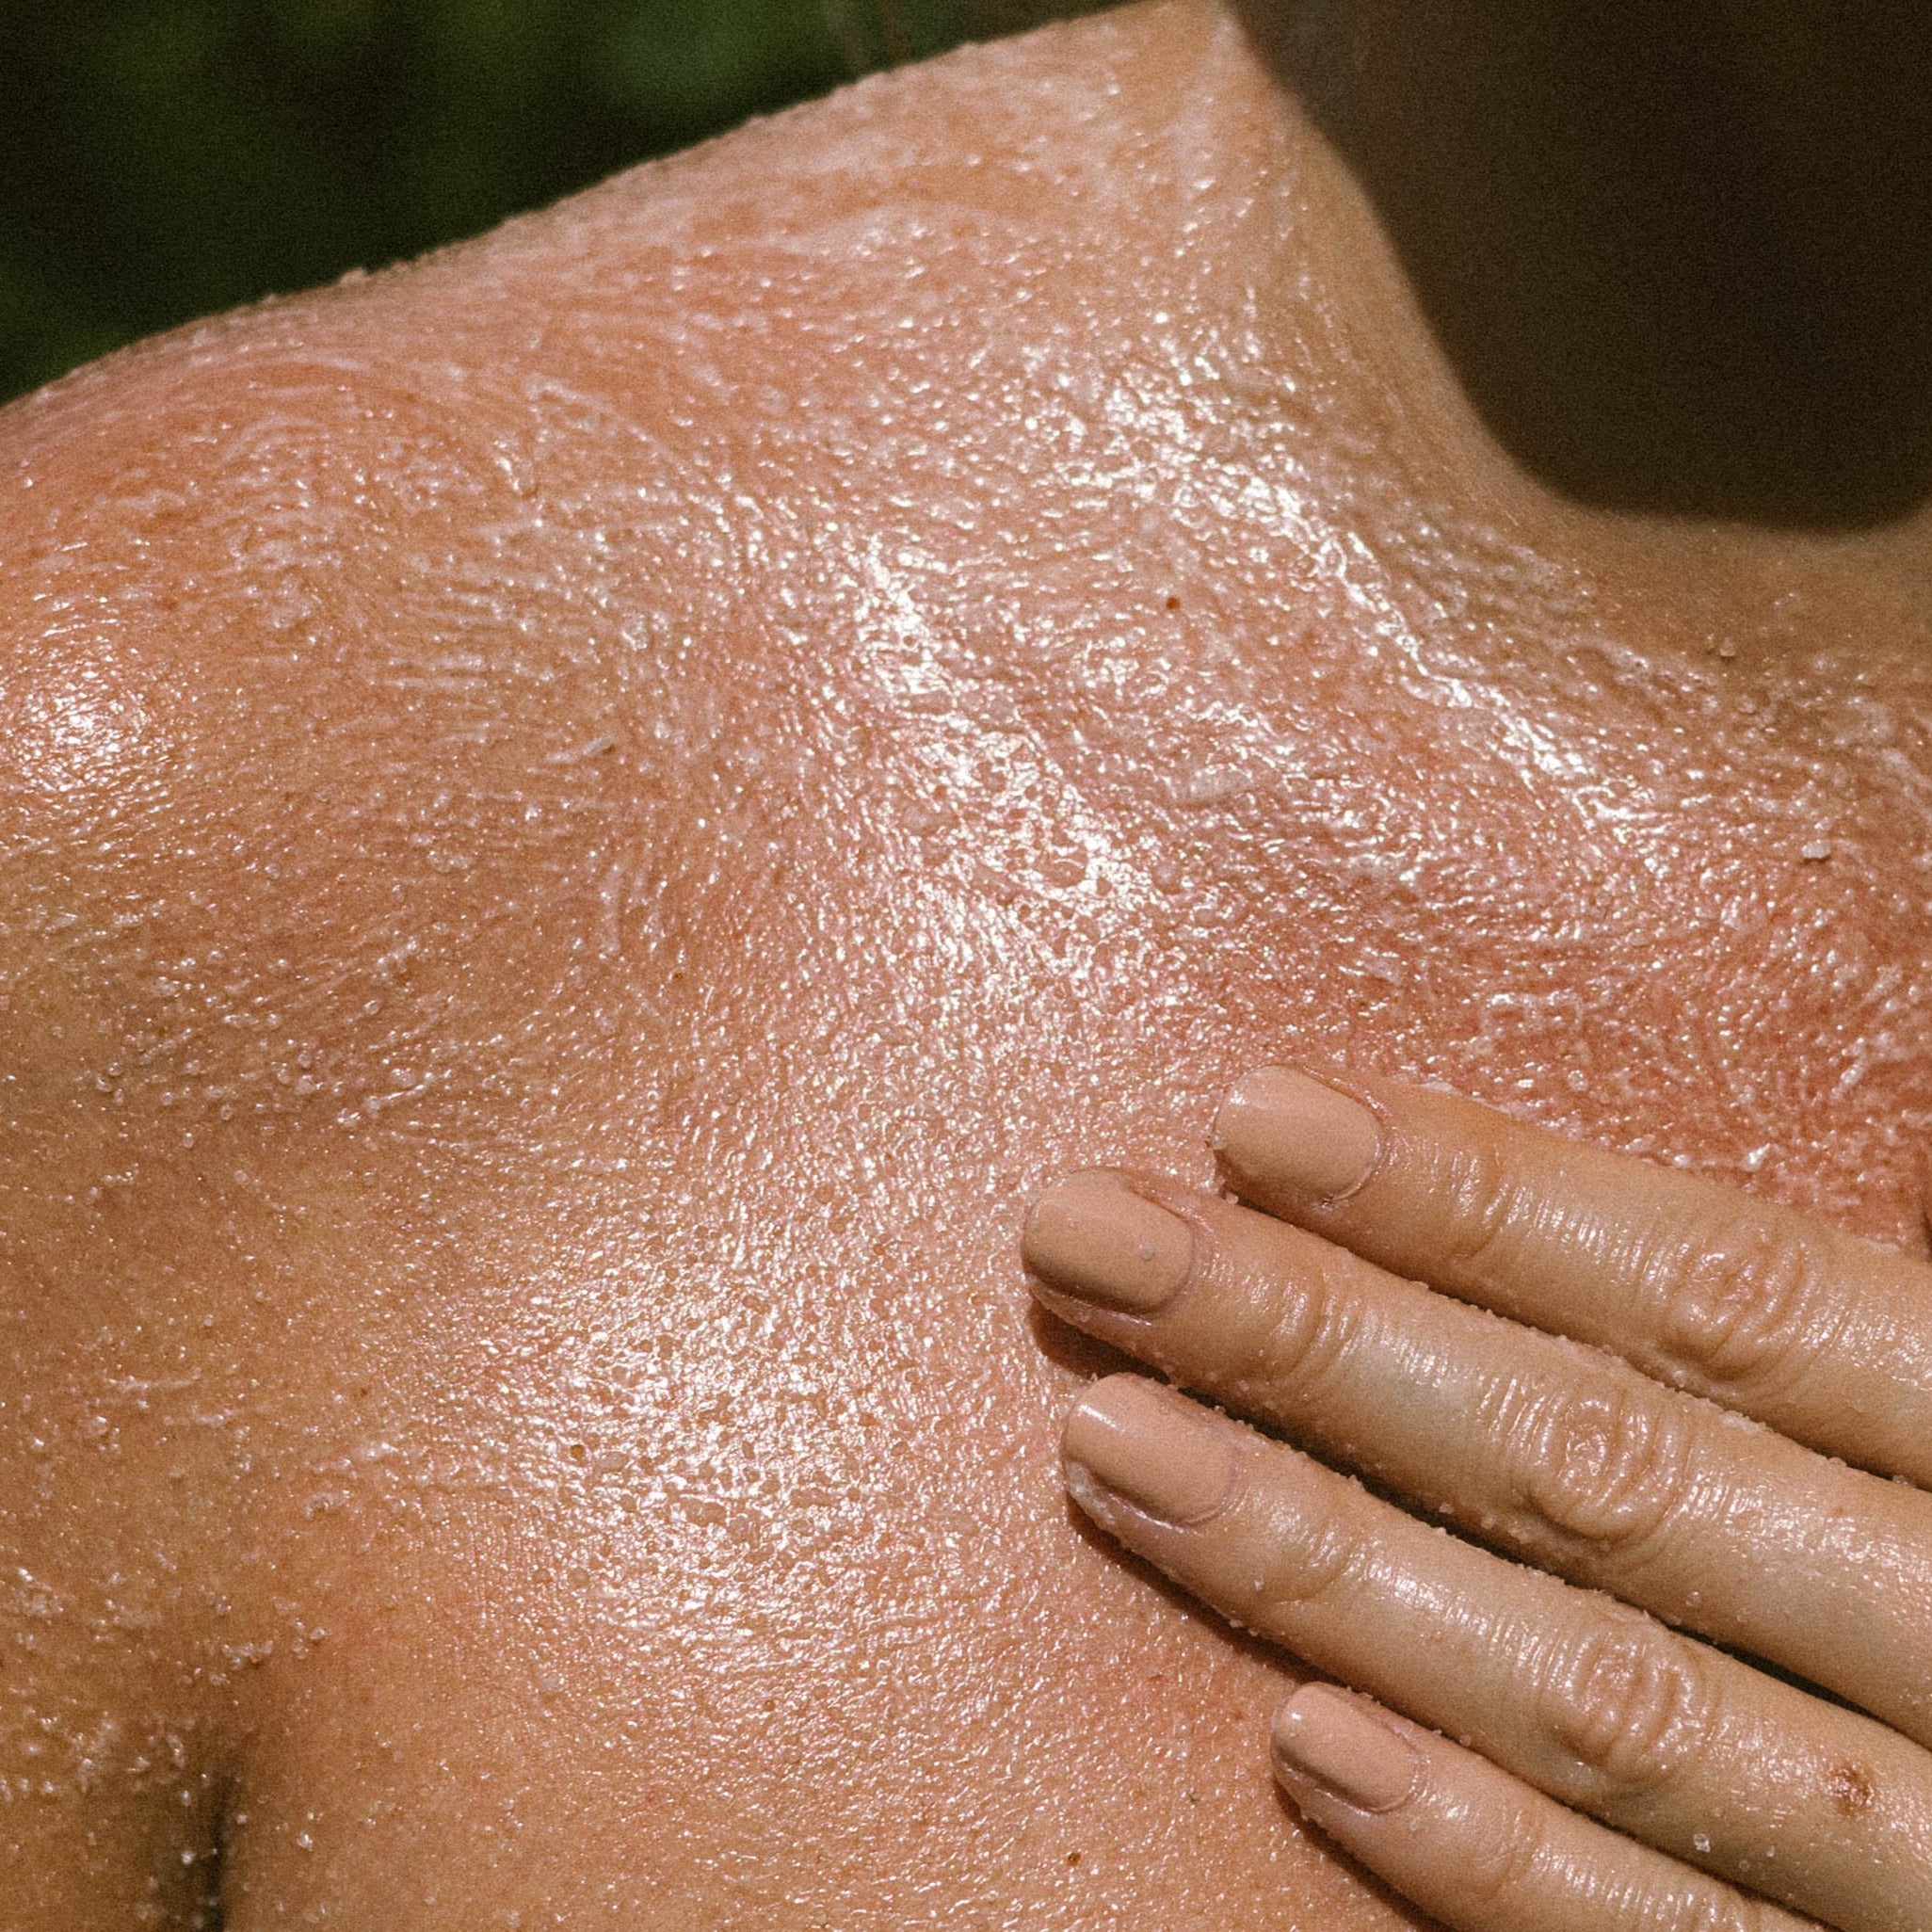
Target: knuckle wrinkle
{"x": 1505, "y": 1862}
{"x": 1489, "y": 1211}
{"x": 1282, "y": 1333}
{"x": 1744, "y": 1304}
{"x": 1628, "y": 1702}
{"x": 1607, "y": 1465}
{"x": 1312, "y": 1545}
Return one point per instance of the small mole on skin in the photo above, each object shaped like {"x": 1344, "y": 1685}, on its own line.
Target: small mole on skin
{"x": 1852, "y": 1790}
{"x": 1173, "y": 604}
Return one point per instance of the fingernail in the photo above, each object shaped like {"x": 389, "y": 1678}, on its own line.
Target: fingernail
{"x": 1092, "y": 1236}
{"x": 1332, "y": 1740}
{"x": 1150, "y": 1446}
{"x": 1298, "y": 1133}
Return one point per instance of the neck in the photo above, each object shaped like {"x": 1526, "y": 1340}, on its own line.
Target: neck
{"x": 1677, "y": 254}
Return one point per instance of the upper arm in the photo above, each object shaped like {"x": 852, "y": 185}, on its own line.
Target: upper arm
{"x": 241, "y": 852}
{"x": 306, "y": 851}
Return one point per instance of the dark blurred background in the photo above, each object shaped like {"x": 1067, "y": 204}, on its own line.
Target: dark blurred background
{"x": 161, "y": 159}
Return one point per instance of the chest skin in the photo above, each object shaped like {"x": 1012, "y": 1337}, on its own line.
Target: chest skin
{"x": 585, "y": 822}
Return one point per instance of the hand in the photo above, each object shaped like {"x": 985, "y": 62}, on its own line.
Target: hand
{"x": 1700, "y": 1483}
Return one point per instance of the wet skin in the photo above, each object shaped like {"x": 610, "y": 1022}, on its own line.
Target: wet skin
{"x": 586, "y": 821}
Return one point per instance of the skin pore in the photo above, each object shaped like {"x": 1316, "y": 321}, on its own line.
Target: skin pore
{"x": 584, "y": 821}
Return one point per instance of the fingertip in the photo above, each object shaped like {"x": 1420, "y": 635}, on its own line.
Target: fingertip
{"x": 1094, "y": 1237}
{"x": 1135, "y": 1441}
{"x": 1296, "y": 1134}
{"x": 1343, "y": 1747}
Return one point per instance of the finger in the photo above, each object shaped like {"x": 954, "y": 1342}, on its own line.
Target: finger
{"x": 1823, "y": 1336}
{"x": 1549, "y": 1448}
{"x": 1477, "y": 1849}
{"x": 1591, "y": 1701}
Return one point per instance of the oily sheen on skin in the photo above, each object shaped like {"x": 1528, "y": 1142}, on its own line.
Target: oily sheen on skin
{"x": 586, "y": 821}
{"x": 1681, "y": 1397}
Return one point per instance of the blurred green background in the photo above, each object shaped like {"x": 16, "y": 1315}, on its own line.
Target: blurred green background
{"x": 160, "y": 159}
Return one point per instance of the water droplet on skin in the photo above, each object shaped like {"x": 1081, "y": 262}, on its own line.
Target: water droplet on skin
{"x": 1211, "y": 785}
